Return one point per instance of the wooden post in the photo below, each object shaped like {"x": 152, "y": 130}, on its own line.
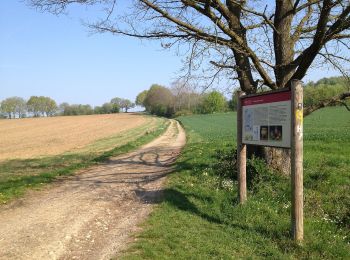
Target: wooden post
{"x": 297, "y": 161}
{"x": 241, "y": 153}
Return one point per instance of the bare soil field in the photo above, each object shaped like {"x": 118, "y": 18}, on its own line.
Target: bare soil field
{"x": 35, "y": 137}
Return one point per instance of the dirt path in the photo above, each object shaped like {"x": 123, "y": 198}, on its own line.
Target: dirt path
{"x": 93, "y": 214}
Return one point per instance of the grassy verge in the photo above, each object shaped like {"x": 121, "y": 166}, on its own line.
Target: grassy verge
{"x": 199, "y": 217}
{"x": 18, "y": 175}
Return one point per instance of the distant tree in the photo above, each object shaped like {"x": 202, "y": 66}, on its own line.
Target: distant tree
{"x": 85, "y": 110}
{"x": 67, "y": 109}
{"x": 42, "y": 103}
{"x": 186, "y": 99}
{"x": 8, "y": 107}
{"x": 62, "y": 107}
{"x": 126, "y": 104}
{"x": 34, "y": 106}
{"x": 181, "y": 91}
{"x": 195, "y": 102}
{"x": 42, "y": 106}
{"x": 49, "y": 106}
{"x": 180, "y": 99}
{"x": 21, "y": 106}
{"x": 98, "y": 110}
{"x": 122, "y": 103}
{"x": 14, "y": 105}
{"x": 115, "y": 108}
{"x": 232, "y": 104}
{"x": 214, "y": 102}
{"x": 77, "y": 109}
{"x": 322, "y": 93}
{"x": 331, "y": 81}
{"x": 107, "y": 108}
{"x": 117, "y": 101}
{"x": 159, "y": 101}
{"x": 140, "y": 99}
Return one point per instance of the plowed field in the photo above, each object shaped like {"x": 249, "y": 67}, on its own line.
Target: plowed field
{"x": 35, "y": 137}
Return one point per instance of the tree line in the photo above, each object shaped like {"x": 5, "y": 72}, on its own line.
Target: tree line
{"x": 116, "y": 105}
{"x": 180, "y": 99}
{"x": 36, "y": 106}
{"x": 40, "y": 106}
{"x": 324, "y": 90}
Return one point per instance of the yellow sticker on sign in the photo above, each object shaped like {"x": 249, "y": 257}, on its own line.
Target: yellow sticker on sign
{"x": 299, "y": 115}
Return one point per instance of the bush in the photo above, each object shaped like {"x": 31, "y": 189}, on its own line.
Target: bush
{"x": 214, "y": 102}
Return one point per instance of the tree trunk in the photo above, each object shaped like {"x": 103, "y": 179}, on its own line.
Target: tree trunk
{"x": 276, "y": 158}
{"x": 283, "y": 42}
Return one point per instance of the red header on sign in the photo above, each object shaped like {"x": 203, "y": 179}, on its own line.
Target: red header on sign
{"x": 267, "y": 98}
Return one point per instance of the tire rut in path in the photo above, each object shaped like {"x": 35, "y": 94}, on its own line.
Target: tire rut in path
{"x": 93, "y": 214}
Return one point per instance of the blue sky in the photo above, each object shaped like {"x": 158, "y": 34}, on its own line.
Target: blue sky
{"x": 44, "y": 54}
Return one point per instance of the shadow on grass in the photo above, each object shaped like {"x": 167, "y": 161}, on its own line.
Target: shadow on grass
{"x": 176, "y": 199}
{"x": 182, "y": 201}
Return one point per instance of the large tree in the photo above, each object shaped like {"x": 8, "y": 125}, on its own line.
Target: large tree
{"x": 259, "y": 43}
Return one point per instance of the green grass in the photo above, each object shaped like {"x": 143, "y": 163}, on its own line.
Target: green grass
{"x": 16, "y": 176}
{"x": 200, "y": 218}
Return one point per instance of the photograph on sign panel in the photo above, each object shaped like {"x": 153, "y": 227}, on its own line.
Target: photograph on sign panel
{"x": 248, "y": 120}
{"x": 264, "y": 132}
{"x": 248, "y": 124}
{"x": 275, "y": 132}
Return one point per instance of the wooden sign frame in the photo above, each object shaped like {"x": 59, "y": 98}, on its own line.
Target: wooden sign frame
{"x": 296, "y": 142}
{"x": 266, "y": 119}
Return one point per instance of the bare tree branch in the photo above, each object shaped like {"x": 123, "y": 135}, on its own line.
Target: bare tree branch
{"x": 266, "y": 43}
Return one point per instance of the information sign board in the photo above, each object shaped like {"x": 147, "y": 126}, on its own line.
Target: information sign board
{"x": 274, "y": 119}
{"x": 267, "y": 119}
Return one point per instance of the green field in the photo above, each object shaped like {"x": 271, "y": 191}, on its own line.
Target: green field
{"x": 17, "y": 175}
{"x": 199, "y": 217}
